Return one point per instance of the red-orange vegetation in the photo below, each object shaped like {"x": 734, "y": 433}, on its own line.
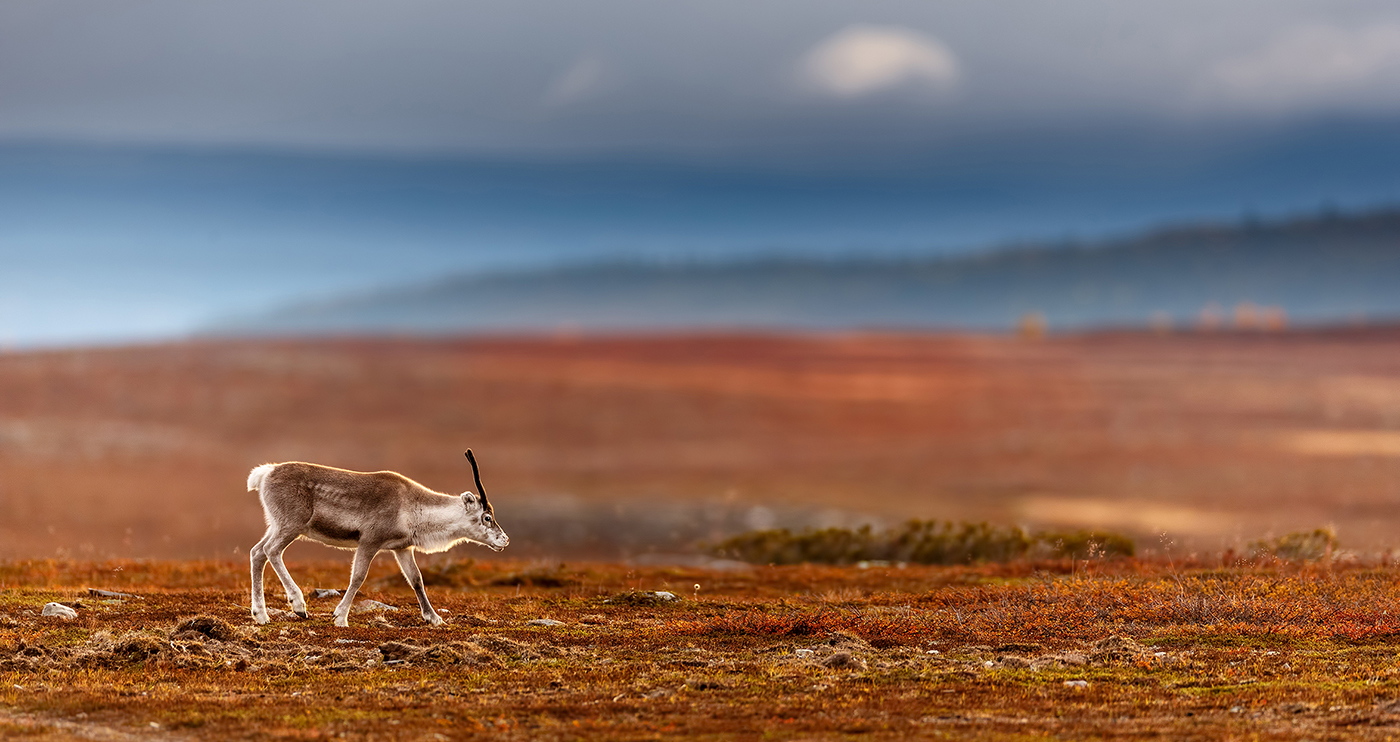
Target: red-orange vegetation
{"x": 620, "y": 445}
{"x": 1123, "y": 648}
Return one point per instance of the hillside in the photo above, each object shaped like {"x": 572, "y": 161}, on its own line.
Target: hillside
{"x": 1320, "y": 270}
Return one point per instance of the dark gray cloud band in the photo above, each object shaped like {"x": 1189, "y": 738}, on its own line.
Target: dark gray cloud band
{"x": 784, "y": 78}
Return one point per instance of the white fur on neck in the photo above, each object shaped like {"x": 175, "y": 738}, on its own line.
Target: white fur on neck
{"x": 437, "y": 527}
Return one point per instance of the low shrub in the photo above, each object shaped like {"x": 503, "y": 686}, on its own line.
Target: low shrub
{"x": 919, "y": 542}
{"x": 1299, "y": 546}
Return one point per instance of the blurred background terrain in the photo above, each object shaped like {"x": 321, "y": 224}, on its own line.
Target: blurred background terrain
{"x": 622, "y": 447}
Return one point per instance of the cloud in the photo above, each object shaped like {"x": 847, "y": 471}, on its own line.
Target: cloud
{"x": 1313, "y": 65}
{"x": 861, "y": 60}
{"x": 578, "y": 81}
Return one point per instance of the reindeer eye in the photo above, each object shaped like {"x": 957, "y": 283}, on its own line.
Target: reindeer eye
{"x": 487, "y": 518}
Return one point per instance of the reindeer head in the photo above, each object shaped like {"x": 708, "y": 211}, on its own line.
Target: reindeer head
{"x": 481, "y": 517}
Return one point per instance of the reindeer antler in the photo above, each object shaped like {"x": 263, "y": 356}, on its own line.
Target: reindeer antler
{"x": 476, "y": 474}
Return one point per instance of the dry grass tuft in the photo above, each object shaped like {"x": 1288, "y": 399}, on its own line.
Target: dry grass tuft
{"x": 539, "y": 577}
{"x": 206, "y": 627}
{"x": 843, "y": 661}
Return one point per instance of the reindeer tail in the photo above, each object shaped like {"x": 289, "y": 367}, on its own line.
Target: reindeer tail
{"x": 257, "y": 475}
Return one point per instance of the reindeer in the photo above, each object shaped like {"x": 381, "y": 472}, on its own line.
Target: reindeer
{"x": 367, "y": 512}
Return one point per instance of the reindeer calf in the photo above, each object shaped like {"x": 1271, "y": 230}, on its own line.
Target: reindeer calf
{"x": 367, "y": 512}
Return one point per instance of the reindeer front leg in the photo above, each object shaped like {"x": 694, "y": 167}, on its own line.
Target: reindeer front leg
{"x": 358, "y": 569}
{"x": 409, "y": 567}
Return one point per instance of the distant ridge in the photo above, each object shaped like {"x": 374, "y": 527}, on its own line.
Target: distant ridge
{"x": 1323, "y": 269}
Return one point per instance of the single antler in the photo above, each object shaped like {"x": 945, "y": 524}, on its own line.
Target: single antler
{"x": 476, "y": 474}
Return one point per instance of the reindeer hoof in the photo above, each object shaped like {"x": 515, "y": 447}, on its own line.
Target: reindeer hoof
{"x": 434, "y": 619}
{"x": 260, "y": 618}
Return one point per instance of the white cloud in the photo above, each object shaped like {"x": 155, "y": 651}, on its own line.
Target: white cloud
{"x": 1313, "y": 65}
{"x": 579, "y": 80}
{"x": 860, "y": 60}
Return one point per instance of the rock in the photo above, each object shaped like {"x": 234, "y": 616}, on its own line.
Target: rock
{"x": 319, "y": 593}
{"x": 1077, "y": 684}
{"x": 59, "y": 610}
{"x": 107, "y": 593}
{"x": 805, "y": 653}
{"x": 642, "y": 598}
{"x": 365, "y": 606}
{"x": 543, "y": 622}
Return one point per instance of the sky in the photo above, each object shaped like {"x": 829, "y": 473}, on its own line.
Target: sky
{"x": 164, "y": 163}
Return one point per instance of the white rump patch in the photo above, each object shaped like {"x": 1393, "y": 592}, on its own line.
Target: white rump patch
{"x": 257, "y": 475}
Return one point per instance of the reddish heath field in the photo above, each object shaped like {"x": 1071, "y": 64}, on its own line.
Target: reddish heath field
{"x": 1117, "y": 649}
{"x": 605, "y": 448}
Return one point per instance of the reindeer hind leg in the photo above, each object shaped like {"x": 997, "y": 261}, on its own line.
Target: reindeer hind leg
{"x": 274, "y": 549}
{"x": 257, "y": 558}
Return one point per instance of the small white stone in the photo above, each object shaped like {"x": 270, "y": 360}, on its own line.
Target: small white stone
{"x": 663, "y": 595}
{"x": 60, "y": 610}
{"x": 805, "y": 653}
{"x": 933, "y": 651}
{"x": 988, "y": 663}
{"x": 1077, "y": 684}
{"x": 544, "y": 622}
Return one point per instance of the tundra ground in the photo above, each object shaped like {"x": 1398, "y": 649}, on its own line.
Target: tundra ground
{"x": 1121, "y": 649}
